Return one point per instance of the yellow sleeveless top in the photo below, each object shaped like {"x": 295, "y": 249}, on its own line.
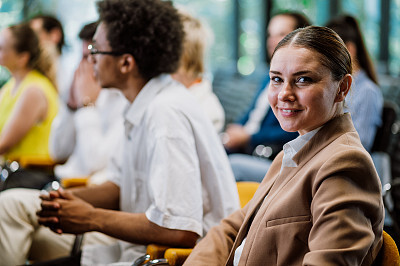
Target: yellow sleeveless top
{"x": 35, "y": 144}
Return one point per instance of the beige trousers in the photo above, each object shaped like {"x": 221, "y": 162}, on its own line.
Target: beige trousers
{"x": 22, "y": 238}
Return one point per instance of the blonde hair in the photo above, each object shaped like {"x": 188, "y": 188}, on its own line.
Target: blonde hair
{"x": 26, "y": 40}
{"x": 196, "y": 41}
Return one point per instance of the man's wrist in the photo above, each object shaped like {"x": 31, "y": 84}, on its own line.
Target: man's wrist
{"x": 87, "y": 102}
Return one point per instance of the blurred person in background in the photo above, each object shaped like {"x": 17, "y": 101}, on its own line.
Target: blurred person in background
{"x": 259, "y": 125}
{"x": 51, "y": 35}
{"x": 87, "y": 129}
{"x": 191, "y": 70}
{"x": 50, "y": 32}
{"x": 174, "y": 180}
{"x": 365, "y": 100}
{"x": 28, "y": 101}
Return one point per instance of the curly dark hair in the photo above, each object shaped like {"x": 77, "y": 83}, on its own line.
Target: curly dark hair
{"x": 149, "y": 30}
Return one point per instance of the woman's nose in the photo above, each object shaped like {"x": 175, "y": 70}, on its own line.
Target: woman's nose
{"x": 286, "y": 93}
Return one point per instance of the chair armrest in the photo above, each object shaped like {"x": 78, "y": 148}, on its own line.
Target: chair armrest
{"x": 177, "y": 256}
{"x": 35, "y": 162}
{"x": 156, "y": 251}
{"x": 74, "y": 181}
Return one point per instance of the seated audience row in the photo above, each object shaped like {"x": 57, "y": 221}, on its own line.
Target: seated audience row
{"x": 169, "y": 180}
{"x": 170, "y": 183}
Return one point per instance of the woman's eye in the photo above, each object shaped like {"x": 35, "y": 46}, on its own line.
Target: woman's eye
{"x": 304, "y": 80}
{"x": 276, "y": 79}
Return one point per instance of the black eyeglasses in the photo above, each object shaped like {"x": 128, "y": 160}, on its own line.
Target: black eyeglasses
{"x": 94, "y": 51}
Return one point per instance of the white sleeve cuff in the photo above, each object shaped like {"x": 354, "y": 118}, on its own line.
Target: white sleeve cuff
{"x": 86, "y": 116}
{"x": 173, "y": 222}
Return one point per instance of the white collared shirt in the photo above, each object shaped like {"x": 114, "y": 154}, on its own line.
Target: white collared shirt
{"x": 291, "y": 148}
{"x": 210, "y": 103}
{"x": 174, "y": 168}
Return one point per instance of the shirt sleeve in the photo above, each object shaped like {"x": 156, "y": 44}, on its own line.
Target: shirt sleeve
{"x": 175, "y": 185}
{"x": 62, "y": 136}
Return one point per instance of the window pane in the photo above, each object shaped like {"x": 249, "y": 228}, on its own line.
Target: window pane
{"x": 251, "y": 35}
{"x": 394, "y": 38}
{"x": 315, "y": 10}
{"x": 368, "y": 16}
{"x": 218, "y": 15}
{"x": 10, "y": 13}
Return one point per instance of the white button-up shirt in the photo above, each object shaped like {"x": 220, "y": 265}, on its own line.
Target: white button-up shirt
{"x": 174, "y": 168}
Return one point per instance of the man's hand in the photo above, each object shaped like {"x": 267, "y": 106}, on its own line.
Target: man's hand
{"x": 86, "y": 87}
{"x": 237, "y": 136}
{"x": 63, "y": 212}
{"x": 48, "y": 215}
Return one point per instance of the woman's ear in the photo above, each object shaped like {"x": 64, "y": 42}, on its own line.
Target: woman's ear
{"x": 344, "y": 87}
{"x": 24, "y": 58}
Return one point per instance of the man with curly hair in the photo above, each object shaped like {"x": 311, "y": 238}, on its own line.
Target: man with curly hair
{"x": 173, "y": 181}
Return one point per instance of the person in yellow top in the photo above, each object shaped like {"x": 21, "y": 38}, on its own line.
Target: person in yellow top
{"x": 28, "y": 101}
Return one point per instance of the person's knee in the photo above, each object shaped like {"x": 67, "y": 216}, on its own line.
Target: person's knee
{"x": 19, "y": 200}
{"x": 236, "y": 162}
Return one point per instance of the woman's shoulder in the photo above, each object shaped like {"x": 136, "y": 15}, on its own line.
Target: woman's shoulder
{"x": 37, "y": 80}
{"x": 347, "y": 152}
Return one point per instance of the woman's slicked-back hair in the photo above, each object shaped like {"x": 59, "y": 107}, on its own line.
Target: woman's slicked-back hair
{"x": 326, "y": 42}
{"x": 349, "y": 30}
{"x": 150, "y": 30}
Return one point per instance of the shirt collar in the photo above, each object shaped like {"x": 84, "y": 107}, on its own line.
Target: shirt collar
{"x": 291, "y": 148}
{"x": 135, "y": 111}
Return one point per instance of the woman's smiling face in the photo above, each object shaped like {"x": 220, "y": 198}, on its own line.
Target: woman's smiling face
{"x": 302, "y": 92}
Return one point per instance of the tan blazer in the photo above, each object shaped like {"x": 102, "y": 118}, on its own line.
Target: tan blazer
{"x": 326, "y": 211}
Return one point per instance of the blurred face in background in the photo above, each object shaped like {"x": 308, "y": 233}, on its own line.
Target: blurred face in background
{"x": 37, "y": 26}
{"x": 278, "y": 27}
{"x": 8, "y": 55}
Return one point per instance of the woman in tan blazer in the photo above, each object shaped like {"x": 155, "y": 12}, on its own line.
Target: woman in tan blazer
{"x": 320, "y": 202}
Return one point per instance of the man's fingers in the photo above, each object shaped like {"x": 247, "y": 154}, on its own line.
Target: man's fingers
{"x": 50, "y": 205}
{"x": 48, "y": 221}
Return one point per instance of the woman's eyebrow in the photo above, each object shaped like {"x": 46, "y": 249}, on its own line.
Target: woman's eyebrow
{"x": 274, "y": 72}
{"x": 302, "y": 72}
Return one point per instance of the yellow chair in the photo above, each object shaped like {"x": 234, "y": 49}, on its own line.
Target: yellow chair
{"x": 34, "y": 162}
{"x": 177, "y": 256}
{"x": 74, "y": 182}
{"x": 246, "y": 191}
{"x": 389, "y": 254}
